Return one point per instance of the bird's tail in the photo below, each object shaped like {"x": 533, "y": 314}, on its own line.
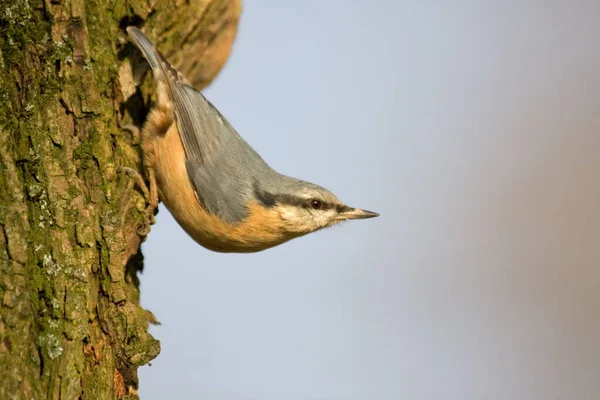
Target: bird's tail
{"x": 163, "y": 71}
{"x": 146, "y": 47}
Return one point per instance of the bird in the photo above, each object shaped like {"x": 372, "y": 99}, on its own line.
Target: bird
{"x": 217, "y": 187}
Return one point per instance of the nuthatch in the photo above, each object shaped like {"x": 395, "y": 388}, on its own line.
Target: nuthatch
{"x": 216, "y": 186}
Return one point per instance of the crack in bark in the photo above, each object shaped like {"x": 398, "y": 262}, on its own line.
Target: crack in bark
{"x": 70, "y": 320}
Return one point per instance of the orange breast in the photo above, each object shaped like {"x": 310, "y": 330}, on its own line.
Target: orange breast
{"x": 165, "y": 154}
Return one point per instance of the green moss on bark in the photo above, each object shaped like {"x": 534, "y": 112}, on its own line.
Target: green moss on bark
{"x": 70, "y": 321}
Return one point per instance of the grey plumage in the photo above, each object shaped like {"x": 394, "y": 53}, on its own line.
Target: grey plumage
{"x": 218, "y": 161}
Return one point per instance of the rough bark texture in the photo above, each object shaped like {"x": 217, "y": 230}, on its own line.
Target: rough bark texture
{"x": 70, "y": 322}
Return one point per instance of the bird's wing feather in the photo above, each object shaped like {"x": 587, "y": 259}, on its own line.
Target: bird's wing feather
{"x": 222, "y": 167}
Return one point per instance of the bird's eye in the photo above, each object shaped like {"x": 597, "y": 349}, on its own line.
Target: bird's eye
{"x": 315, "y": 204}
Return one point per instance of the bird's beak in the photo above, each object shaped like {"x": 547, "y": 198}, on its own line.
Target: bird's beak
{"x": 357, "y": 213}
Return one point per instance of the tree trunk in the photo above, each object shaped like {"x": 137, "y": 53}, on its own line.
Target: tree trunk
{"x": 70, "y": 321}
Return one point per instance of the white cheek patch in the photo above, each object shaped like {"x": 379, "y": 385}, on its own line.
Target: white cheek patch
{"x": 288, "y": 213}
{"x": 320, "y": 219}
{"x": 297, "y": 219}
{"x": 328, "y": 218}
{"x": 301, "y": 220}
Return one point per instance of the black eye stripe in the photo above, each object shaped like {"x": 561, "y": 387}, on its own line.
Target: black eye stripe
{"x": 323, "y": 205}
{"x": 270, "y": 200}
{"x": 341, "y": 209}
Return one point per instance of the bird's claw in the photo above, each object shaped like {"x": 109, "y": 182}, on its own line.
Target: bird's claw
{"x": 150, "y": 196}
{"x": 135, "y": 131}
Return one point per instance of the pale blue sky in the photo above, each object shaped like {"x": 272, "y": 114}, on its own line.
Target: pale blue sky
{"x": 473, "y": 127}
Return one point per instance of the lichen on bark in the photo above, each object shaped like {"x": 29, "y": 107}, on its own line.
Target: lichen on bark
{"x": 70, "y": 321}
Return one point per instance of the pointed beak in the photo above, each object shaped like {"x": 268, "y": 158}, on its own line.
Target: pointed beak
{"x": 357, "y": 213}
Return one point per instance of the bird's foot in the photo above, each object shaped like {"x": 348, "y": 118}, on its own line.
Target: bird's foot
{"x": 134, "y": 130}
{"x": 150, "y": 196}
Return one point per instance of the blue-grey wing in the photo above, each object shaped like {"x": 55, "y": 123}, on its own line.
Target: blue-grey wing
{"x": 222, "y": 167}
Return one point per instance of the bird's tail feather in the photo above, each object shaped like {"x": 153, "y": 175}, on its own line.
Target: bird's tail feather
{"x": 146, "y": 47}
{"x": 163, "y": 71}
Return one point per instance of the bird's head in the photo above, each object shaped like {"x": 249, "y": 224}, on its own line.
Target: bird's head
{"x": 304, "y": 207}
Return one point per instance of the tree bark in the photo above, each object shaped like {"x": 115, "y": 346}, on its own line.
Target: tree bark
{"x": 70, "y": 321}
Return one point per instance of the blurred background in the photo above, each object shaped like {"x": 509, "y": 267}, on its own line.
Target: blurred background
{"x": 473, "y": 127}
